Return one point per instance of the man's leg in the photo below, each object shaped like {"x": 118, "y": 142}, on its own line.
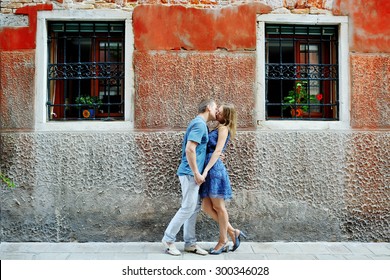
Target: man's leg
{"x": 190, "y": 224}
{"x": 189, "y": 234}
{"x": 190, "y": 193}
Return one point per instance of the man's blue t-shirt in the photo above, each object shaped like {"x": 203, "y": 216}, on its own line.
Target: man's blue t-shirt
{"x": 197, "y": 131}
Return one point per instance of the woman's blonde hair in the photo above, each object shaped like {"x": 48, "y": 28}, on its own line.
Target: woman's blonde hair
{"x": 230, "y": 116}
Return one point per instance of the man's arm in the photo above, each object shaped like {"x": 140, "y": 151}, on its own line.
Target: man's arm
{"x": 191, "y": 158}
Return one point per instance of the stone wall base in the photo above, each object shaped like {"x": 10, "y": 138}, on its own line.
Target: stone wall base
{"x": 112, "y": 187}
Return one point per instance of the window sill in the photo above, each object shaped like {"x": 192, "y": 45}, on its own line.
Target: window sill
{"x": 301, "y": 125}
{"x": 85, "y": 126}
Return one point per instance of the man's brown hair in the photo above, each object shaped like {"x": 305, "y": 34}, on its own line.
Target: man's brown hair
{"x": 203, "y": 105}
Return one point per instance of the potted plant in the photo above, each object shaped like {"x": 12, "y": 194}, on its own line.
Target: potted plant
{"x": 298, "y": 99}
{"x": 89, "y": 104}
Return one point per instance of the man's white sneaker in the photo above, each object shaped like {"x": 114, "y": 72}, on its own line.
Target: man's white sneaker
{"x": 171, "y": 249}
{"x": 196, "y": 250}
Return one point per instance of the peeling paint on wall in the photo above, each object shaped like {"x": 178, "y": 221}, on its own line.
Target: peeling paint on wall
{"x": 370, "y": 24}
{"x": 177, "y": 27}
{"x": 20, "y": 38}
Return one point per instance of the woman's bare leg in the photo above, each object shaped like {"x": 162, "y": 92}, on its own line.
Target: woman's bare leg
{"x": 223, "y": 220}
{"x": 207, "y": 207}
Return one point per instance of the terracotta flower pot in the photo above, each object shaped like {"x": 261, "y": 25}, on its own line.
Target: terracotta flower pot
{"x": 298, "y": 112}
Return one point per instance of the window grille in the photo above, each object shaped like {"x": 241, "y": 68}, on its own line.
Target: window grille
{"x": 301, "y": 72}
{"x": 85, "y": 78}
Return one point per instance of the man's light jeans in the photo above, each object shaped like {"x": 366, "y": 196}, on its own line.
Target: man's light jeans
{"x": 186, "y": 215}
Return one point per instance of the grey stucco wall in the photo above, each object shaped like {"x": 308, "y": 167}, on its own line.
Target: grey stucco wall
{"x": 292, "y": 186}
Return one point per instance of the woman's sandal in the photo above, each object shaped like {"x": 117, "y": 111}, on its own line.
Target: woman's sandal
{"x": 238, "y": 239}
{"x": 224, "y": 248}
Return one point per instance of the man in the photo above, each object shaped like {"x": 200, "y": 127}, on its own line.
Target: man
{"x": 190, "y": 176}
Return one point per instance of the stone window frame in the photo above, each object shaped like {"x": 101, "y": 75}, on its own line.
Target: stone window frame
{"x": 41, "y": 60}
{"x": 344, "y": 73}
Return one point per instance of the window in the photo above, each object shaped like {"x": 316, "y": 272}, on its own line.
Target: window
{"x": 85, "y": 72}
{"x": 110, "y": 46}
{"x": 302, "y": 72}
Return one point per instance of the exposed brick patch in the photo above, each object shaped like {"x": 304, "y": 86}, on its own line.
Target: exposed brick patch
{"x": 18, "y": 38}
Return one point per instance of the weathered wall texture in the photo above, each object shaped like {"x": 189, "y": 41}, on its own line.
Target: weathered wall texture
{"x": 369, "y": 24}
{"x": 75, "y": 187}
{"x": 173, "y": 82}
{"x": 121, "y": 186}
{"x": 371, "y": 90}
{"x": 17, "y": 95}
{"x": 368, "y": 193}
{"x": 196, "y": 53}
{"x": 370, "y": 61}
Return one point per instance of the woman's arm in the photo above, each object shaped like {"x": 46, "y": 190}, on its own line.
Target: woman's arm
{"x": 223, "y": 132}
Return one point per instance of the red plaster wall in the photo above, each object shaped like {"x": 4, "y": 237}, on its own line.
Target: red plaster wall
{"x": 370, "y": 61}
{"x": 159, "y": 27}
{"x": 370, "y": 91}
{"x": 17, "y": 71}
{"x": 179, "y": 61}
{"x": 172, "y": 83}
{"x": 370, "y": 24}
{"x": 169, "y": 85}
{"x": 19, "y": 38}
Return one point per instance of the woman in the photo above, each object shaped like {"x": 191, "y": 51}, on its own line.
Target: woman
{"x": 216, "y": 189}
